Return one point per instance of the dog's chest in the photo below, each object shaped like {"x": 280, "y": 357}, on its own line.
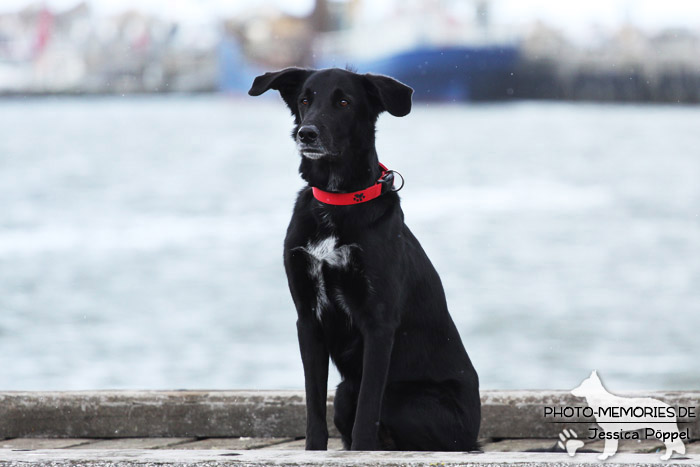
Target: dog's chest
{"x": 328, "y": 256}
{"x": 327, "y": 251}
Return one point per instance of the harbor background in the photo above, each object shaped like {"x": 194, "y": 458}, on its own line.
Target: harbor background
{"x": 618, "y": 51}
{"x": 134, "y": 255}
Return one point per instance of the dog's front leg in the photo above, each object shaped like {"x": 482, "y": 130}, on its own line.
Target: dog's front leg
{"x": 378, "y": 343}
{"x": 314, "y": 356}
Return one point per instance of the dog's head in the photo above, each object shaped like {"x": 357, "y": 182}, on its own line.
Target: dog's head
{"x": 335, "y": 112}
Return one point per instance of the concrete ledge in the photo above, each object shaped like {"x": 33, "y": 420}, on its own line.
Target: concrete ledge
{"x": 269, "y": 414}
{"x": 329, "y": 458}
{"x": 118, "y": 414}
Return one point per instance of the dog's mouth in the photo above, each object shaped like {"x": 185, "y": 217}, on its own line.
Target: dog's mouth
{"x": 312, "y": 152}
{"x": 309, "y": 154}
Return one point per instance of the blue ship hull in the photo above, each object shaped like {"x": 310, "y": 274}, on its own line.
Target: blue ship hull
{"x": 236, "y": 73}
{"x": 451, "y": 73}
{"x": 448, "y": 74}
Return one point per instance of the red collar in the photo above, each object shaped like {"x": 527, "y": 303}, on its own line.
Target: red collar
{"x": 384, "y": 184}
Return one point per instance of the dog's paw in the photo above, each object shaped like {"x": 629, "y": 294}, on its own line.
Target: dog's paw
{"x": 568, "y": 442}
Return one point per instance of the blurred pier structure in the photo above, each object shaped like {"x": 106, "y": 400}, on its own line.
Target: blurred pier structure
{"x": 75, "y": 51}
{"x": 628, "y": 66}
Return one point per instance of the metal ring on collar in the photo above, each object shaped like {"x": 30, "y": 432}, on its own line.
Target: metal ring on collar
{"x": 402, "y": 180}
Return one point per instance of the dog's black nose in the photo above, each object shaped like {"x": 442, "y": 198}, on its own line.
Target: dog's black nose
{"x": 308, "y": 134}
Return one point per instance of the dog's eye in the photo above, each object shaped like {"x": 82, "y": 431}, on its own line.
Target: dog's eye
{"x": 304, "y": 101}
{"x": 343, "y": 103}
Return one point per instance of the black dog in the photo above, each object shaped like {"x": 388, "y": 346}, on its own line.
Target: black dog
{"x": 366, "y": 293}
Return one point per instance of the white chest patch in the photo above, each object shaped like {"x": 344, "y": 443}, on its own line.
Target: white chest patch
{"x": 327, "y": 252}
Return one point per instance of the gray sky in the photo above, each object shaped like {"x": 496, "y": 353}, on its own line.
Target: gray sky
{"x": 649, "y": 14}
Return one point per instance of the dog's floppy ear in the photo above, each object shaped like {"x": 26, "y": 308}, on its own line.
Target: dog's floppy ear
{"x": 286, "y": 81}
{"x": 392, "y": 95}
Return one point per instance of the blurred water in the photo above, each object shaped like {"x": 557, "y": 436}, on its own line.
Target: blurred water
{"x": 140, "y": 240}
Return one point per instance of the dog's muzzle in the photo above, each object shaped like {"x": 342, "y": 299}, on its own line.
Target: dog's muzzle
{"x": 309, "y": 142}
{"x": 312, "y": 153}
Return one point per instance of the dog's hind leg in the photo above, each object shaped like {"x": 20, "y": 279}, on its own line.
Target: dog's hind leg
{"x": 344, "y": 409}
{"x": 426, "y": 417}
